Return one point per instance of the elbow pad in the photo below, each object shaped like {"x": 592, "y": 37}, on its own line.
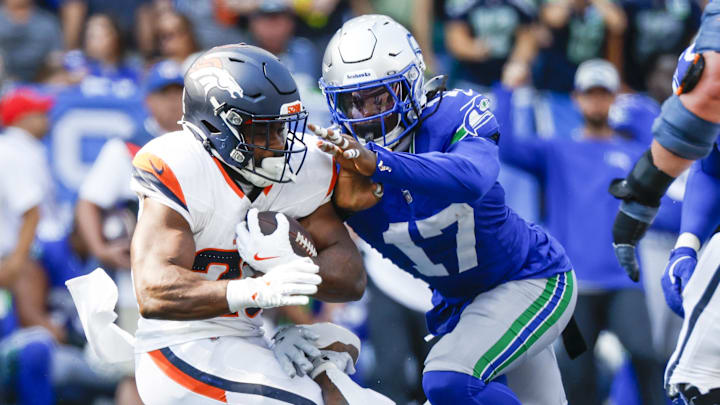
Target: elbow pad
{"x": 682, "y": 132}
{"x": 645, "y": 184}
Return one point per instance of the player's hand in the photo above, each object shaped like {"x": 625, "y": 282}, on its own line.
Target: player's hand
{"x": 116, "y": 254}
{"x": 677, "y": 274}
{"x": 354, "y": 192}
{"x": 632, "y": 221}
{"x": 332, "y": 359}
{"x": 293, "y": 348}
{"x": 263, "y": 252}
{"x": 285, "y": 284}
{"x": 627, "y": 231}
{"x": 347, "y": 150}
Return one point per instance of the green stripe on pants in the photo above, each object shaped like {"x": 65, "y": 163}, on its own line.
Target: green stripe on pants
{"x": 516, "y": 328}
{"x": 557, "y": 313}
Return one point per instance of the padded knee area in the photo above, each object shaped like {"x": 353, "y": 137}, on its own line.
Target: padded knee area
{"x": 450, "y": 388}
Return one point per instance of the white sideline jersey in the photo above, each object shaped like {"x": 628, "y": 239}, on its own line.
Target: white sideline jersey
{"x": 177, "y": 171}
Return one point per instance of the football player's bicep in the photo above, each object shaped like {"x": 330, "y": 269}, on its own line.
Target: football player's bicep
{"x": 162, "y": 238}
{"x": 341, "y": 265}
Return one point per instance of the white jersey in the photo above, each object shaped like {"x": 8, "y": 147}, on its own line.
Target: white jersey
{"x": 178, "y": 172}
{"x": 108, "y": 181}
{"x": 25, "y": 182}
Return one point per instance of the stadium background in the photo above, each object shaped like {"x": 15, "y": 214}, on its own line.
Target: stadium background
{"x": 93, "y": 57}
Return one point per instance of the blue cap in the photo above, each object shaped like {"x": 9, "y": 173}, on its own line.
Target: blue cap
{"x": 273, "y": 7}
{"x": 163, "y": 74}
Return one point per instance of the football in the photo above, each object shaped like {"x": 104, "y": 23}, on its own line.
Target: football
{"x": 300, "y": 239}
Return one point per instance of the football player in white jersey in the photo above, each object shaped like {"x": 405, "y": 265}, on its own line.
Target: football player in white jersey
{"x": 241, "y": 150}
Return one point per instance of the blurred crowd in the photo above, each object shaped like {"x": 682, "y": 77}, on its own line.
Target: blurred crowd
{"x": 85, "y": 83}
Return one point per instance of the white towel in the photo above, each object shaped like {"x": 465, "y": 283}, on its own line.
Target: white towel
{"x": 95, "y": 296}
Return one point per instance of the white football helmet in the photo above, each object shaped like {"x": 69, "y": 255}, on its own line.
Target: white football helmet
{"x": 372, "y": 78}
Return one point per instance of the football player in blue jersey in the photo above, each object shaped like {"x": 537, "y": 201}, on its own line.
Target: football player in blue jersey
{"x": 686, "y": 131}
{"x": 418, "y": 182}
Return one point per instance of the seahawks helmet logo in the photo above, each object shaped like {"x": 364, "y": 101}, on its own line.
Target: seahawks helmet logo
{"x": 215, "y": 78}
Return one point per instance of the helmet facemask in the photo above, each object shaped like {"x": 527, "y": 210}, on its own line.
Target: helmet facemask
{"x": 270, "y": 148}
{"x": 382, "y": 111}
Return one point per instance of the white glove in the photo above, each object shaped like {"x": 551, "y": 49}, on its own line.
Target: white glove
{"x": 286, "y": 284}
{"x": 293, "y": 346}
{"x": 331, "y": 359}
{"x": 263, "y": 252}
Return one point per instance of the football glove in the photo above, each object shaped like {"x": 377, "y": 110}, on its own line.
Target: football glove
{"x": 331, "y": 359}
{"x": 293, "y": 347}
{"x": 263, "y": 252}
{"x": 286, "y": 284}
{"x": 677, "y": 274}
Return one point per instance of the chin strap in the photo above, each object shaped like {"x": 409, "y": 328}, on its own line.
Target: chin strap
{"x": 270, "y": 168}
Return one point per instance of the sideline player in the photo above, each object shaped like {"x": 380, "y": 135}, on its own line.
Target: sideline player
{"x": 241, "y": 150}
{"x": 107, "y": 184}
{"x": 421, "y": 173}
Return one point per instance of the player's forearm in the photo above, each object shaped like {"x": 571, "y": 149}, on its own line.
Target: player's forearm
{"x": 179, "y": 296}
{"x": 462, "y": 44}
{"x": 343, "y": 274}
{"x": 667, "y": 161}
{"x": 463, "y": 174}
{"x": 613, "y": 15}
{"x": 701, "y": 205}
{"x": 26, "y": 235}
{"x": 331, "y": 394}
{"x": 89, "y": 225}
{"x": 525, "y": 45}
{"x": 353, "y": 192}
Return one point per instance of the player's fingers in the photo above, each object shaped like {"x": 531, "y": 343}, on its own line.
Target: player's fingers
{"x": 329, "y": 148}
{"x": 299, "y": 289}
{"x": 283, "y": 226}
{"x": 242, "y": 236}
{"x": 353, "y": 153}
{"x": 286, "y": 365}
{"x": 308, "y": 334}
{"x": 308, "y": 348}
{"x": 252, "y": 221}
{"x": 332, "y": 135}
{"x": 298, "y": 277}
{"x": 303, "y": 265}
{"x": 318, "y": 130}
{"x": 295, "y": 300}
{"x": 301, "y": 362}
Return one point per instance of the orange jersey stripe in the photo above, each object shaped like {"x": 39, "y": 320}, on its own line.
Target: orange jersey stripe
{"x": 228, "y": 180}
{"x": 334, "y": 178}
{"x": 185, "y": 380}
{"x": 152, "y": 164}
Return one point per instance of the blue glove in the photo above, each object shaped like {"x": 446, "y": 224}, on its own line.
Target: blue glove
{"x": 677, "y": 274}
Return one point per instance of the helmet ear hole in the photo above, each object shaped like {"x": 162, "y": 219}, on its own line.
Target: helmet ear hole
{"x": 210, "y": 127}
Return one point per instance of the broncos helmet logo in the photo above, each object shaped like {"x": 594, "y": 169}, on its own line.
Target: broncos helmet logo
{"x": 215, "y": 78}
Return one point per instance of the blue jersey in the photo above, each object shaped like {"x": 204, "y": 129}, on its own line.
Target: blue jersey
{"x": 443, "y": 216}
{"x": 701, "y": 206}
{"x": 574, "y": 173}
{"x": 633, "y": 115}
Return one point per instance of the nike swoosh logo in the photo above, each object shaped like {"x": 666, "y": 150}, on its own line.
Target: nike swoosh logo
{"x": 258, "y": 258}
{"x": 158, "y": 171}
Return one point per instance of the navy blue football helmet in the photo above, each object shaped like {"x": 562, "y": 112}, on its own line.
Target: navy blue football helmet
{"x": 245, "y": 107}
